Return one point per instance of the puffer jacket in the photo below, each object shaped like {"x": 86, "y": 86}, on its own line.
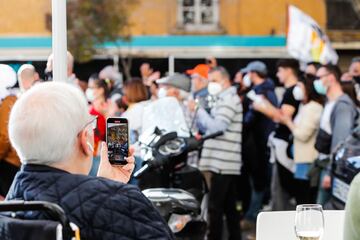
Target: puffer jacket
{"x": 101, "y": 208}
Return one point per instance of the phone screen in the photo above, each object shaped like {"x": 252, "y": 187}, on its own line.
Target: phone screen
{"x": 117, "y": 140}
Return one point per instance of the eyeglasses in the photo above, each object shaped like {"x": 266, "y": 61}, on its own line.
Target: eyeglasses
{"x": 92, "y": 122}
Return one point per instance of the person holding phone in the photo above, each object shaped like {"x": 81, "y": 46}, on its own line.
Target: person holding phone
{"x": 55, "y": 143}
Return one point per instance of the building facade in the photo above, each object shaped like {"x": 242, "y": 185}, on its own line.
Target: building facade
{"x": 189, "y": 28}
{"x": 174, "y": 17}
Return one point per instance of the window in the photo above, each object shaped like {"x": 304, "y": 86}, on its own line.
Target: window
{"x": 343, "y": 14}
{"x": 198, "y": 15}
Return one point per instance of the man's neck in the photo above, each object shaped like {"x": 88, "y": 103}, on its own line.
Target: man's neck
{"x": 70, "y": 166}
{"x": 201, "y": 89}
{"x": 226, "y": 86}
{"x": 258, "y": 81}
{"x": 291, "y": 81}
{"x": 334, "y": 93}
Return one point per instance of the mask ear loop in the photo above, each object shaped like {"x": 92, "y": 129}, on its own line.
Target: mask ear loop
{"x": 91, "y": 148}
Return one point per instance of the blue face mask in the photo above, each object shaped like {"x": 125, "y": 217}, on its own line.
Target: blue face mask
{"x": 319, "y": 87}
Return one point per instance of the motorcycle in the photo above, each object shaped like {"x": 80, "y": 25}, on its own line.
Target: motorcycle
{"x": 345, "y": 166}
{"x": 175, "y": 188}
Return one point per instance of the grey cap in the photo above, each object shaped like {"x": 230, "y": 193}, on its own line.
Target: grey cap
{"x": 177, "y": 80}
{"x": 255, "y": 66}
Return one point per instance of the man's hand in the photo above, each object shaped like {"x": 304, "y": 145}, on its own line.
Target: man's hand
{"x": 120, "y": 173}
{"x": 284, "y": 119}
{"x": 260, "y": 104}
{"x": 326, "y": 183}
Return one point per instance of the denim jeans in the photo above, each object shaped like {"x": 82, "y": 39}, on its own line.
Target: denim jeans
{"x": 324, "y": 194}
{"x": 255, "y": 205}
{"x": 256, "y": 202}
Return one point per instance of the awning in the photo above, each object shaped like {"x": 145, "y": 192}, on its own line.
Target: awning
{"x": 38, "y": 48}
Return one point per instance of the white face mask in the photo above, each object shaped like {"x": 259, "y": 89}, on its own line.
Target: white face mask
{"x": 214, "y": 88}
{"x": 89, "y": 93}
{"x": 247, "y": 80}
{"x": 298, "y": 93}
{"x": 162, "y": 92}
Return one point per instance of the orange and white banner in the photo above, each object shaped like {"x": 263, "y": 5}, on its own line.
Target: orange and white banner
{"x": 306, "y": 41}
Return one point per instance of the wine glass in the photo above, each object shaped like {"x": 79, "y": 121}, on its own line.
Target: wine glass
{"x": 309, "y": 222}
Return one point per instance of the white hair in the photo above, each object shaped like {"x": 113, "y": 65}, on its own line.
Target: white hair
{"x": 44, "y": 123}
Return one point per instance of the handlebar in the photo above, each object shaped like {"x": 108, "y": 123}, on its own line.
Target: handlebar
{"x": 213, "y": 135}
{"x": 192, "y": 144}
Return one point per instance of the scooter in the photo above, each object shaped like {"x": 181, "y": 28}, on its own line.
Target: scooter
{"x": 176, "y": 189}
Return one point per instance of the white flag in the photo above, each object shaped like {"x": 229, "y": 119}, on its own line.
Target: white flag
{"x": 306, "y": 41}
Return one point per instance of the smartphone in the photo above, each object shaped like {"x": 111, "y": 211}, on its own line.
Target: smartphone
{"x": 117, "y": 140}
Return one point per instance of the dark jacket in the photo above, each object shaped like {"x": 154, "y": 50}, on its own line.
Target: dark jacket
{"x": 256, "y": 122}
{"x": 101, "y": 208}
{"x": 257, "y": 128}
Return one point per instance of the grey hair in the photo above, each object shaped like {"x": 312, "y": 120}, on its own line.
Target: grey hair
{"x": 224, "y": 73}
{"x": 44, "y": 123}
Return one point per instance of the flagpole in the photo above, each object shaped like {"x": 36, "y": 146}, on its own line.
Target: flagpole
{"x": 59, "y": 40}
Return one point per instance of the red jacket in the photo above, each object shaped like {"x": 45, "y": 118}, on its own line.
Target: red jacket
{"x": 100, "y": 131}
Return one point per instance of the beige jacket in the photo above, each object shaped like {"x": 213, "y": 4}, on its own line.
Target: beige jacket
{"x": 307, "y": 123}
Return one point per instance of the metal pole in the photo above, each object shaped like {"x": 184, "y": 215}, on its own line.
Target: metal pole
{"x": 59, "y": 40}
{"x": 171, "y": 65}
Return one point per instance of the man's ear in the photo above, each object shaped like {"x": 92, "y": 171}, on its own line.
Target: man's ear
{"x": 85, "y": 145}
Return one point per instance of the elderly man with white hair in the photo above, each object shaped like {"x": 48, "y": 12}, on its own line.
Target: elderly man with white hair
{"x": 55, "y": 144}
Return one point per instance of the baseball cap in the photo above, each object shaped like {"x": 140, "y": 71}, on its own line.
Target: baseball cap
{"x": 176, "y": 80}
{"x": 255, "y": 66}
{"x": 200, "y": 69}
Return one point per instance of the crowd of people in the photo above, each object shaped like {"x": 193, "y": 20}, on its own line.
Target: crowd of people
{"x": 275, "y": 151}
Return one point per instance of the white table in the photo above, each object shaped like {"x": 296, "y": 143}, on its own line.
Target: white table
{"x": 280, "y": 225}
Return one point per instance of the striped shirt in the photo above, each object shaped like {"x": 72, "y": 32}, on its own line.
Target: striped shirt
{"x": 223, "y": 154}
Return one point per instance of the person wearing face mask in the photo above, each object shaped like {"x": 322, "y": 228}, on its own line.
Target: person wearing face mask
{"x": 221, "y": 157}
{"x": 256, "y": 130}
{"x": 281, "y": 140}
{"x": 57, "y": 156}
{"x": 304, "y": 128}
{"x": 337, "y": 121}
{"x": 177, "y": 86}
{"x": 97, "y": 95}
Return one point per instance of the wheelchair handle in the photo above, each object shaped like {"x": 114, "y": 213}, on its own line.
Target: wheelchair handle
{"x": 54, "y": 210}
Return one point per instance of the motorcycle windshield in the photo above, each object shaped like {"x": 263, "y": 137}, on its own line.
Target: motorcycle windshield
{"x": 166, "y": 114}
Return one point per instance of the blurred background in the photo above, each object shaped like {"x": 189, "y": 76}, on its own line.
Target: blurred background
{"x": 170, "y": 33}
